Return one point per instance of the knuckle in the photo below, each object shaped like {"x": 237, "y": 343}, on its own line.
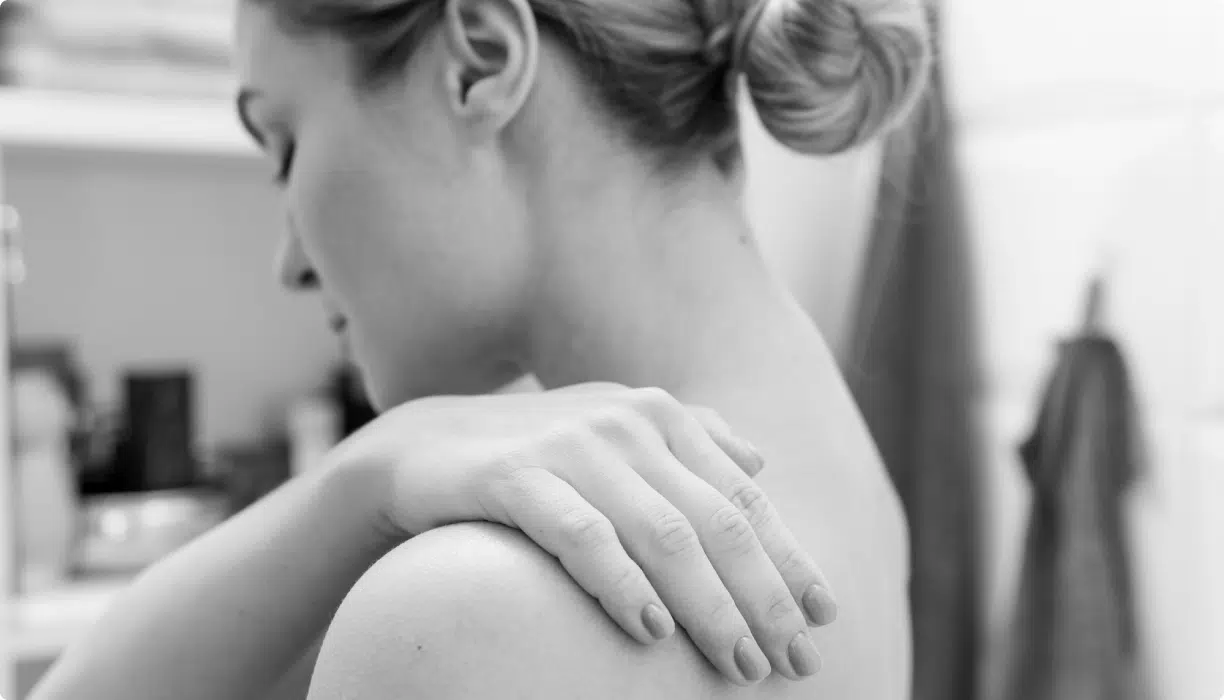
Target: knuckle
{"x": 731, "y": 529}
{"x": 512, "y": 464}
{"x": 673, "y": 534}
{"x": 587, "y": 530}
{"x": 624, "y": 586}
{"x": 653, "y": 399}
{"x": 707, "y": 452}
{"x": 616, "y": 424}
{"x": 575, "y": 428}
{"x": 794, "y": 563}
{"x": 751, "y": 500}
{"x": 723, "y": 612}
{"x": 709, "y": 417}
{"x": 509, "y": 479}
{"x": 780, "y": 606}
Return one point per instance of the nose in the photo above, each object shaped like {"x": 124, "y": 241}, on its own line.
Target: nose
{"x": 293, "y": 267}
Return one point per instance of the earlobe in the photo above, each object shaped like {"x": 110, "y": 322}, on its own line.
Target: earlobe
{"x": 493, "y": 47}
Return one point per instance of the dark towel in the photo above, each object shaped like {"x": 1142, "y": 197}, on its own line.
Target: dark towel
{"x": 1074, "y": 635}
{"x": 913, "y": 368}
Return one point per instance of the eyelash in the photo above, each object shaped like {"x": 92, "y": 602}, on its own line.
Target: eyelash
{"x": 282, "y": 174}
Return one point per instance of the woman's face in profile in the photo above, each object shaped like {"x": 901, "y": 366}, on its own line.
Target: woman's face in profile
{"x": 415, "y": 236}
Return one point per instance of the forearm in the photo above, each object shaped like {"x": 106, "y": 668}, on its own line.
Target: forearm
{"x": 228, "y": 614}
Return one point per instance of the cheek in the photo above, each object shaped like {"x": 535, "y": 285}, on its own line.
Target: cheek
{"x": 405, "y": 247}
{"x": 332, "y": 224}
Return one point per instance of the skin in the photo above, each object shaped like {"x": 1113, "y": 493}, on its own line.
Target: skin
{"x": 477, "y": 218}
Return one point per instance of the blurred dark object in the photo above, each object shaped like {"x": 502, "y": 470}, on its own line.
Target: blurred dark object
{"x": 156, "y": 450}
{"x": 102, "y": 428}
{"x": 348, "y": 391}
{"x": 1074, "y": 633}
{"x": 123, "y": 533}
{"x": 247, "y": 473}
{"x": 914, "y": 369}
{"x": 159, "y": 47}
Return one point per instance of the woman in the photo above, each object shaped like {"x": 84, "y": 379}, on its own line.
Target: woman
{"x": 482, "y": 188}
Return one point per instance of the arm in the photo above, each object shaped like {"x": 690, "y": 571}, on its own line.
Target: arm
{"x": 230, "y": 613}
{"x": 253, "y": 594}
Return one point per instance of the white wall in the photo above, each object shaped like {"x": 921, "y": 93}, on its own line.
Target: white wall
{"x": 1093, "y": 131}
{"x": 811, "y": 217}
{"x": 143, "y": 259}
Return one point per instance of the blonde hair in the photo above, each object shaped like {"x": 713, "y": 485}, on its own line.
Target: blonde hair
{"x": 824, "y": 75}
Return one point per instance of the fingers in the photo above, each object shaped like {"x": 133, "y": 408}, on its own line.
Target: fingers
{"x": 807, "y": 583}
{"x": 745, "y": 569}
{"x": 659, "y": 536}
{"x": 738, "y": 449}
{"x": 759, "y": 561}
{"x": 559, "y": 520}
{"x": 670, "y": 489}
{"x": 803, "y": 577}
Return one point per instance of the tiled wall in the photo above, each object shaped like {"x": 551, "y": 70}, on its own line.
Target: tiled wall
{"x": 1091, "y": 136}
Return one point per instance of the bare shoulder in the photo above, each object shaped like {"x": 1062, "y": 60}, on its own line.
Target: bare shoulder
{"x": 477, "y": 610}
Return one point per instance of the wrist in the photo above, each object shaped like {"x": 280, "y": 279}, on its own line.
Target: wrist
{"x": 362, "y": 486}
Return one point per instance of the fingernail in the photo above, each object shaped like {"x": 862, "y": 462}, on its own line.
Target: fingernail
{"x": 803, "y": 655}
{"x": 751, "y": 660}
{"x": 819, "y": 604}
{"x": 657, "y": 622}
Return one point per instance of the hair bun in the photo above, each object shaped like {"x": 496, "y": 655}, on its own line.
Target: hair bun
{"x": 828, "y": 75}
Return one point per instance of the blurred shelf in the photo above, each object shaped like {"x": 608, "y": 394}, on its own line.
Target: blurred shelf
{"x": 40, "y": 625}
{"x": 121, "y": 123}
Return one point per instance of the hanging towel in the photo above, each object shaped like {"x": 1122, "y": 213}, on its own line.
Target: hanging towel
{"x": 1074, "y": 635}
{"x": 913, "y": 366}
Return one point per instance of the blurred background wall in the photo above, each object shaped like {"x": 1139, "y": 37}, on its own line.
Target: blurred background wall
{"x": 1090, "y": 139}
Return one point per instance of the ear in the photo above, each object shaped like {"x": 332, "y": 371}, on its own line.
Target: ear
{"x": 493, "y": 47}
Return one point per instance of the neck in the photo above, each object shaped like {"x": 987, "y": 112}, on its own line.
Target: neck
{"x": 649, "y": 285}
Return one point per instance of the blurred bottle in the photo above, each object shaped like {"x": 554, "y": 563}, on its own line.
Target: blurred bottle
{"x": 157, "y": 449}
{"x": 42, "y": 458}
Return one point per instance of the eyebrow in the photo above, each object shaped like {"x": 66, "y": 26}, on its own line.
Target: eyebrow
{"x": 245, "y": 95}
